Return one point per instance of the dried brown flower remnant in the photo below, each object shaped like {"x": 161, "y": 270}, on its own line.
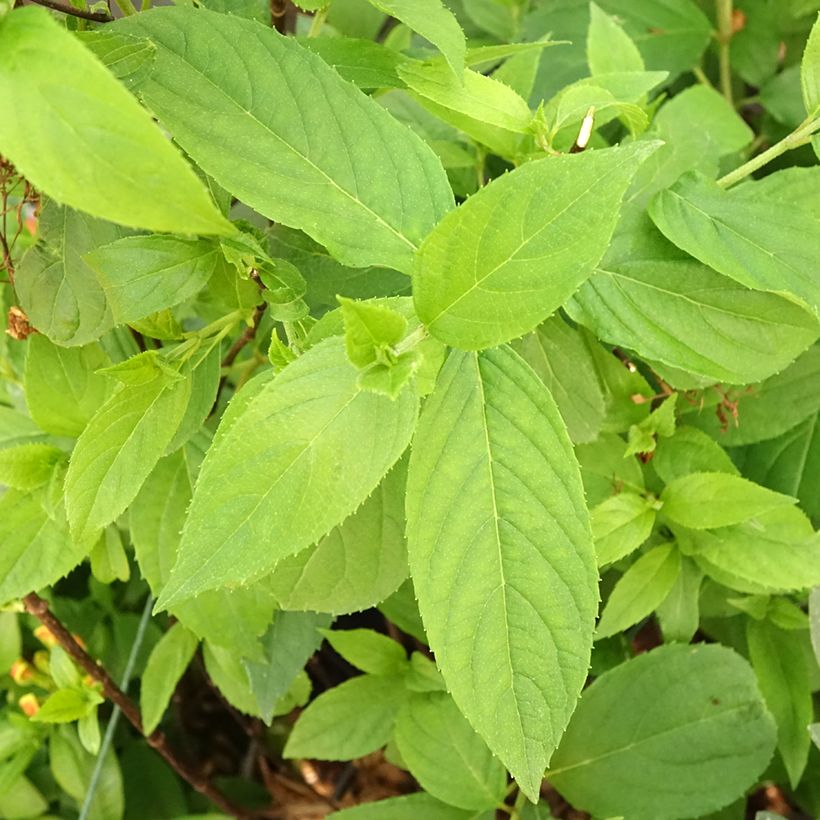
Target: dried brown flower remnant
{"x": 19, "y": 326}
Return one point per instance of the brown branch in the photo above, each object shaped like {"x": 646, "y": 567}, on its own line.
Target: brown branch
{"x": 96, "y": 16}
{"x": 247, "y": 336}
{"x": 37, "y": 607}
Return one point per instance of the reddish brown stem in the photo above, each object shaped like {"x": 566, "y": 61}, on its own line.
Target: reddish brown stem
{"x": 247, "y": 336}
{"x": 37, "y": 607}
{"x": 96, "y": 16}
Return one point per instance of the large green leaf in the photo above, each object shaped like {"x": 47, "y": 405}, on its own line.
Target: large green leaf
{"x": 80, "y": 137}
{"x": 57, "y": 288}
{"x": 751, "y": 240}
{"x": 141, "y": 275}
{"x": 357, "y": 564}
{"x": 680, "y": 731}
{"x": 711, "y": 326}
{"x": 276, "y": 126}
{"x": 119, "y": 447}
{"x": 305, "y": 453}
{"x": 409, "y": 807}
{"x": 443, "y": 752}
{"x": 501, "y": 555}
{"x": 515, "y": 251}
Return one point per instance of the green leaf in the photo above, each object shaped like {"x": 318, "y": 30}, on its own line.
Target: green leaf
{"x": 711, "y": 326}
{"x": 57, "y": 288}
{"x": 129, "y": 59}
{"x": 771, "y": 408}
{"x": 810, "y": 71}
{"x": 509, "y": 256}
{"x": 409, "y": 807}
{"x": 109, "y": 562}
{"x": 679, "y": 613}
{"x": 402, "y": 609}
{"x": 22, "y": 799}
{"x": 37, "y": 550}
{"x": 141, "y": 275}
{"x": 283, "y": 160}
{"x": 814, "y": 620}
{"x": 166, "y": 664}
{"x": 446, "y": 756}
{"x": 248, "y": 510}
{"x": 286, "y": 647}
{"x": 775, "y": 551}
{"x": 62, "y": 389}
{"x": 227, "y": 671}
{"x": 620, "y": 525}
{"x": 348, "y": 721}
{"x": 357, "y": 564}
{"x": 675, "y": 732}
{"x": 640, "y": 590}
{"x": 119, "y": 448}
{"x": 28, "y": 466}
{"x": 660, "y": 423}
{"x": 369, "y": 651}
{"x": 780, "y": 663}
{"x": 561, "y": 358}
{"x": 690, "y": 451}
{"x": 67, "y": 705}
{"x": 609, "y": 47}
{"x": 361, "y": 62}
{"x": 606, "y": 472}
{"x": 121, "y": 166}
{"x": 706, "y": 500}
{"x": 433, "y": 21}
{"x": 495, "y": 516}
{"x": 498, "y": 17}
{"x": 754, "y": 243}
{"x": 370, "y": 331}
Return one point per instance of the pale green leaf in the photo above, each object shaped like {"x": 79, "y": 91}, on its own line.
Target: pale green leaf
{"x": 402, "y": 609}
{"x": 357, "y": 564}
{"x": 254, "y": 504}
{"x": 307, "y": 163}
{"x": 37, "y": 551}
{"x": 814, "y": 621}
{"x": 605, "y": 471}
{"x": 496, "y": 516}
{"x": 433, "y": 21}
{"x": 409, "y": 807}
{"x": 679, "y": 613}
{"x": 67, "y": 705}
{"x": 23, "y": 799}
{"x": 640, "y": 590}
{"x": 226, "y": 669}
{"x": 690, "y": 451}
{"x": 129, "y": 59}
{"x": 57, "y": 288}
{"x": 560, "y": 356}
{"x": 446, "y": 756}
{"x": 28, "y": 466}
{"x": 620, "y": 525}
{"x": 119, "y": 448}
{"x": 62, "y": 390}
{"x": 367, "y": 650}
{"x": 348, "y": 721}
{"x": 286, "y": 647}
{"x": 609, "y": 47}
{"x": 810, "y": 71}
{"x": 370, "y": 330}
{"x": 109, "y": 562}
{"x": 166, "y": 665}
{"x": 711, "y": 326}
{"x": 780, "y": 663}
{"x": 501, "y": 18}
{"x": 510, "y": 256}
{"x": 706, "y": 500}
{"x": 141, "y": 275}
{"x": 752, "y": 241}
{"x": 676, "y": 732}
{"x": 361, "y": 62}
{"x": 122, "y": 167}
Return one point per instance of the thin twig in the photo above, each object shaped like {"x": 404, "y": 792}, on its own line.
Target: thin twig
{"x": 96, "y": 16}
{"x": 37, "y": 607}
{"x": 247, "y": 336}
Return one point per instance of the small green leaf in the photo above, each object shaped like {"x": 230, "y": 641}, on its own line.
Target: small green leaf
{"x": 225, "y": 667}
{"x": 810, "y": 71}
{"x": 369, "y": 651}
{"x": 707, "y": 500}
{"x": 370, "y": 331}
{"x": 410, "y": 807}
{"x": 640, "y": 590}
{"x": 255, "y": 475}
{"x": 690, "y": 451}
{"x": 675, "y": 732}
{"x": 660, "y": 423}
{"x": 679, "y": 613}
{"x": 28, "y": 466}
{"x": 62, "y": 669}
{"x": 108, "y": 559}
{"x": 141, "y": 275}
{"x": 88, "y": 731}
{"x": 348, "y": 721}
{"x": 779, "y": 661}
{"x": 620, "y": 525}
{"x": 447, "y": 757}
{"x": 119, "y": 448}
{"x": 67, "y": 705}
{"x": 609, "y": 47}
{"x": 509, "y": 256}
{"x": 122, "y": 167}
{"x": 166, "y": 664}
